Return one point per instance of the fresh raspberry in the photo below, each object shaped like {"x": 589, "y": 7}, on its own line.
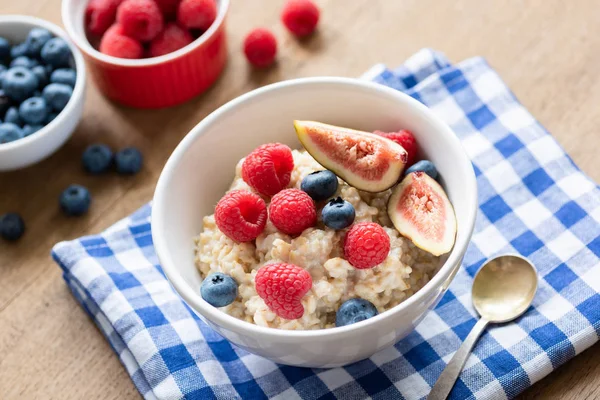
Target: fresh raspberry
{"x": 282, "y": 287}
{"x": 260, "y": 47}
{"x": 292, "y": 211}
{"x": 241, "y": 215}
{"x": 196, "y": 14}
{"x": 100, "y": 15}
{"x": 168, "y": 7}
{"x": 300, "y": 17}
{"x": 172, "y": 38}
{"x": 268, "y": 168}
{"x": 366, "y": 245}
{"x": 116, "y": 44}
{"x": 141, "y": 19}
{"x": 405, "y": 139}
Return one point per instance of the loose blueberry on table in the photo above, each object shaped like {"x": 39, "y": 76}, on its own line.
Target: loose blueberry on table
{"x": 75, "y": 200}
{"x": 97, "y": 158}
{"x": 12, "y": 226}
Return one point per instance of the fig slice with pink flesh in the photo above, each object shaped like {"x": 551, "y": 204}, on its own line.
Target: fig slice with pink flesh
{"x": 366, "y": 161}
{"x": 421, "y": 211}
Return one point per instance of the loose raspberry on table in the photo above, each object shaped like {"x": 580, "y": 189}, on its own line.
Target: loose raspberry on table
{"x": 260, "y": 47}
{"x": 100, "y": 15}
{"x": 366, "y": 245}
{"x": 268, "y": 168}
{"x": 115, "y": 43}
{"x": 282, "y": 287}
{"x": 300, "y": 17}
{"x": 405, "y": 139}
{"x": 172, "y": 38}
{"x": 292, "y": 211}
{"x": 141, "y": 19}
{"x": 197, "y": 14}
{"x": 241, "y": 215}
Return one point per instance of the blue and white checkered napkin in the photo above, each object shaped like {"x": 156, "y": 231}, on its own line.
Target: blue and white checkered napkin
{"x": 533, "y": 200}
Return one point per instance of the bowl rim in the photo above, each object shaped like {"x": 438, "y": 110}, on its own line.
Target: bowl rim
{"x": 227, "y": 321}
{"x": 83, "y": 43}
{"x": 78, "y": 90}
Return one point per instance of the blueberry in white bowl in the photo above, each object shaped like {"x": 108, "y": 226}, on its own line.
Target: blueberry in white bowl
{"x": 423, "y": 166}
{"x": 320, "y": 185}
{"x": 338, "y": 214}
{"x": 353, "y": 311}
{"x": 219, "y": 289}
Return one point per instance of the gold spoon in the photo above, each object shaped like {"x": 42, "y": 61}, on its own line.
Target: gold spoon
{"x": 502, "y": 290}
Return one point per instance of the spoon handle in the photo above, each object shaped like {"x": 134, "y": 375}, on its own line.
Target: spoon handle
{"x": 445, "y": 382}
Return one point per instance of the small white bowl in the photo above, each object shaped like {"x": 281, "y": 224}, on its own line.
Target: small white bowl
{"x": 31, "y": 149}
{"x": 201, "y": 168}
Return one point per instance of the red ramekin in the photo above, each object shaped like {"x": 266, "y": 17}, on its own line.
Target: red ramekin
{"x": 153, "y": 82}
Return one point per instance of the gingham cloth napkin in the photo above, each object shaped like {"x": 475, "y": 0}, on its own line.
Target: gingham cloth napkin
{"x": 533, "y": 200}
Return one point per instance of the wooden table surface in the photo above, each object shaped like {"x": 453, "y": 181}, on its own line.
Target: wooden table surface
{"x": 547, "y": 51}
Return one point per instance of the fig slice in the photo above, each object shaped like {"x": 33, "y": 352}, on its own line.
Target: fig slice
{"x": 366, "y": 161}
{"x": 421, "y": 211}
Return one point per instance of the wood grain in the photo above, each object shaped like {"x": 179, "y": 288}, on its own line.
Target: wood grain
{"x": 547, "y": 51}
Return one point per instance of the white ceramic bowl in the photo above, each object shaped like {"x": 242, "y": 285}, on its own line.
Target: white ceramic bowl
{"x": 31, "y": 149}
{"x": 201, "y": 168}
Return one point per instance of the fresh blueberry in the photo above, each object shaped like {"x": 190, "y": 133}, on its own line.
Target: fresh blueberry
{"x": 18, "y": 50}
{"x": 68, "y": 76}
{"x": 128, "y": 161}
{"x": 19, "y": 83}
{"x": 36, "y": 39}
{"x": 56, "y": 52}
{"x": 219, "y": 289}
{"x": 5, "y": 102}
{"x": 57, "y": 95}
{"x": 12, "y": 226}
{"x": 4, "y": 48}
{"x": 12, "y": 116}
{"x": 40, "y": 73}
{"x": 33, "y": 110}
{"x": 97, "y": 158}
{"x": 424, "y": 166}
{"x": 24, "y": 61}
{"x": 75, "y": 200}
{"x": 51, "y": 117}
{"x": 31, "y": 129}
{"x": 338, "y": 214}
{"x": 320, "y": 185}
{"x": 353, "y": 311}
{"x": 10, "y": 132}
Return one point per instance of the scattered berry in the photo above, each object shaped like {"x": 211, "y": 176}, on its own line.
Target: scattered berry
{"x": 41, "y": 74}
{"x": 115, "y": 43}
{"x": 140, "y": 19}
{"x": 300, "y": 17}
{"x": 282, "y": 287}
{"x": 425, "y": 166}
{"x": 100, "y": 15}
{"x": 260, "y": 47}
{"x": 172, "y": 38}
{"x": 12, "y": 226}
{"x": 353, "y": 311}
{"x": 97, "y": 158}
{"x": 67, "y": 76}
{"x": 12, "y": 116}
{"x": 196, "y": 14}
{"x": 18, "y": 50}
{"x": 4, "y": 48}
{"x": 34, "y": 110}
{"x": 10, "y": 132}
{"x": 23, "y": 61}
{"x": 31, "y": 129}
{"x": 292, "y": 211}
{"x": 57, "y": 95}
{"x": 36, "y": 39}
{"x": 219, "y": 289}
{"x": 128, "y": 161}
{"x": 366, "y": 245}
{"x": 338, "y": 214}
{"x": 241, "y": 215}
{"x": 19, "y": 83}
{"x": 268, "y": 168}
{"x": 56, "y": 52}
{"x": 75, "y": 200}
{"x": 405, "y": 139}
{"x": 320, "y": 185}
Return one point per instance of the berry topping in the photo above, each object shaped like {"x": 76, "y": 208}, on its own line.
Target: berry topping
{"x": 12, "y": 226}
{"x": 100, "y": 15}
{"x": 115, "y": 43}
{"x": 75, "y": 200}
{"x": 366, "y": 245}
{"x": 300, "y": 17}
{"x": 405, "y": 139}
{"x": 292, "y": 211}
{"x": 260, "y": 47}
{"x": 268, "y": 168}
{"x": 141, "y": 19}
{"x": 172, "y": 38}
{"x": 320, "y": 185}
{"x": 97, "y": 158}
{"x": 128, "y": 161}
{"x": 196, "y": 14}
{"x": 353, "y": 311}
{"x": 241, "y": 215}
{"x": 282, "y": 287}
{"x": 219, "y": 289}
{"x": 424, "y": 166}
{"x": 338, "y": 214}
